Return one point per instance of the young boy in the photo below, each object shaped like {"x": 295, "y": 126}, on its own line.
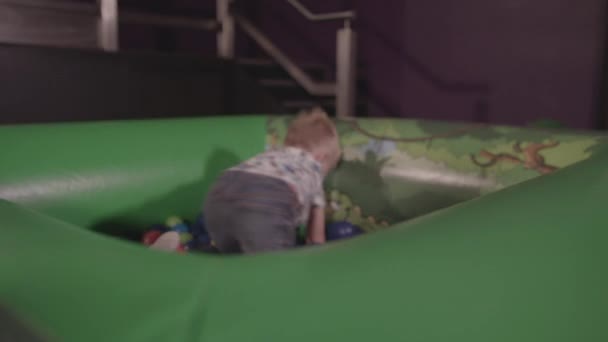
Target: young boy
{"x": 256, "y": 206}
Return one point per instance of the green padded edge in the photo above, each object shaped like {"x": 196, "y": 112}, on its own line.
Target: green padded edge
{"x": 133, "y": 172}
{"x": 526, "y": 263}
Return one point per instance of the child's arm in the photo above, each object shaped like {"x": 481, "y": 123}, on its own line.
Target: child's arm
{"x": 316, "y": 226}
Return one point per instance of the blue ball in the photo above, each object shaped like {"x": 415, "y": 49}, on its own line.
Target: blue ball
{"x": 181, "y": 228}
{"x": 341, "y": 230}
{"x": 198, "y": 230}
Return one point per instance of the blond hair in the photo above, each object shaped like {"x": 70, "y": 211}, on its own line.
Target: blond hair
{"x": 314, "y": 131}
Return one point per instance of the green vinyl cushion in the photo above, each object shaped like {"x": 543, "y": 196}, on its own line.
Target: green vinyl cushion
{"x": 523, "y": 263}
{"x": 130, "y": 171}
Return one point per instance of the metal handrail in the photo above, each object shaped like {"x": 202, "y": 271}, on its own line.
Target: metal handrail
{"x": 311, "y": 86}
{"x": 344, "y": 15}
{"x": 343, "y": 88}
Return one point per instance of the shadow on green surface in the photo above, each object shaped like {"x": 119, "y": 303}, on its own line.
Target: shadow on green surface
{"x": 185, "y": 201}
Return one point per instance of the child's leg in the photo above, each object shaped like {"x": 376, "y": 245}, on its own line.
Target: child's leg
{"x": 219, "y": 221}
{"x": 261, "y": 231}
{"x": 248, "y": 230}
{"x": 251, "y": 213}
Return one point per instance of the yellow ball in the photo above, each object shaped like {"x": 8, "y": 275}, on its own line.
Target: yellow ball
{"x": 173, "y": 221}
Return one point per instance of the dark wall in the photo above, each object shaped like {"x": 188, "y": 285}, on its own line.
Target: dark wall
{"x": 49, "y": 84}
{"x": 507, "y": 62}
{"x": 602, "y": 91}
{"x": 540, "y": 59}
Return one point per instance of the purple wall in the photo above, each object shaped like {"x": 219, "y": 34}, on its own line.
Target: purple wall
{"x": 499, "y": 61}
{"x": 509, "y": 61}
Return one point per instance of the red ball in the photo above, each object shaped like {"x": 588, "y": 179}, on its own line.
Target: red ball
{"x": 150, "y": 236}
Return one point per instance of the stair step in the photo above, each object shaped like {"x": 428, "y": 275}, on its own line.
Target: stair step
{"x": 287, "y": 89}
{"x": 270, "y": 62}
{"x": 301, "y": 104}
{"x": 279, "y": 83}
{"x": 263, "y": 62}
{"x": 268, "y": 69}
{"x": 290, "y": 95}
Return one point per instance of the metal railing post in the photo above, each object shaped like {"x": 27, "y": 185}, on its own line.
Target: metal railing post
{"x": 346, "y": 71}
{"x": 225, "y": 37}
{"x": 107, "y": 25}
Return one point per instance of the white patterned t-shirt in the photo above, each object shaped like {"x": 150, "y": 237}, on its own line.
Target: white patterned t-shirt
{"x": 297, "y": 168}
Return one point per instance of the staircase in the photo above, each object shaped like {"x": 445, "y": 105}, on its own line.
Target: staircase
{"x": 289, "y": 95}
{"x": 322, "y": 86}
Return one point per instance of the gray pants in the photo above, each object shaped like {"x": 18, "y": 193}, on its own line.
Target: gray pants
{"x": 249, "y": 213}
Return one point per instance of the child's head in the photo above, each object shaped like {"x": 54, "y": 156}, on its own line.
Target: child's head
{"x": 314, "y": 132}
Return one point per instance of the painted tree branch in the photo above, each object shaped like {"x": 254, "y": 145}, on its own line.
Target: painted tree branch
{"x": 494, "y": 158}
{"x": 532, "y": 159}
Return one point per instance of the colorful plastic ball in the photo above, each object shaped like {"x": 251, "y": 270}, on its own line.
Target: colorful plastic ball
{"x": 180, "y": 228}
{"x": 168, "y": 241}
{"x": 200, "y": 219}
{"x": 199, "y": 232}
{"x": 173, "y": 221}
{"x": 341, "y": 230}
{"x": 185, "y": 237}
{"x": 150, "y": 236}
{"x": 198, "y": 227}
